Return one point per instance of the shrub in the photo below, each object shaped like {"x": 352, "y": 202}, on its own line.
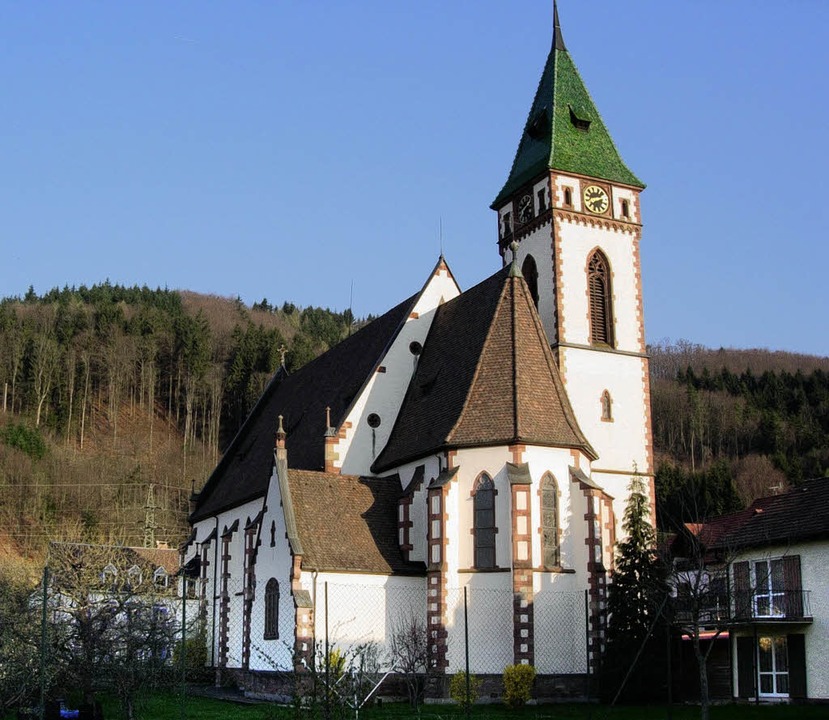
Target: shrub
{"x": 28, "y": 440}
{"x": 457, "y": 689}
{"x": 518, "y": 684}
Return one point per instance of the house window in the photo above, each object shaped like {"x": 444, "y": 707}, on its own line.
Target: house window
{"x": 109, "y": 575}
{"x": 271, "y": 610}
{"x": 773, "y": 666}
{"x": 607, "y": 407}
{"x": 484, "y": 523}
{"x": 550, "y": 547}
{"x": 134, "y": 574}
{"x": 601, "y": 309}
{"x": 160, "y": 578}
{"x": 530, "y": 273}
{"x": 769, "y": 594}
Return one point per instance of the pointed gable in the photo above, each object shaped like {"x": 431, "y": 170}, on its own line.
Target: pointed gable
{"x": 332, "y": 380}
{"x": 486, "y": 377}
{"x": 564, "y": 130}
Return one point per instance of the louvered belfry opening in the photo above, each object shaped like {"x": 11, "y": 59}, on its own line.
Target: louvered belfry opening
{"x": 601, "y": 309}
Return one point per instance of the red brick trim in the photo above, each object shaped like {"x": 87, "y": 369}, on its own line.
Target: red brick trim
{"x": 303, "y": 623}
{"x": 597, "y": 221}
{"x": 332, "y": 443}
{"x": 596, "y": 578}
{"x": 436, "y": 543}
{"x": 224, "y": 601}
{"x": 249, "y": 580}
{"x": 517, "y": 453}
{"x": 523, "y": 620}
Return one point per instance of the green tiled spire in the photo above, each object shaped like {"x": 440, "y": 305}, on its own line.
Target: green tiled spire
{"x": 564, "y": 130}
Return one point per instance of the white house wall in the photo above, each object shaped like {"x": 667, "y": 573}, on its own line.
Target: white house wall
{"x": 815, "y": 580}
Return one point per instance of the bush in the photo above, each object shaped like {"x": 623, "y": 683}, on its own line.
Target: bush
{"x": 457, "y": 689}
{"x": 518, "y": 684}
{"x": 28, "y": 440}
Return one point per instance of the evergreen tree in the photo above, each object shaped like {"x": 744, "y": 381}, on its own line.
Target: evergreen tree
{"x": 637, "y": 596}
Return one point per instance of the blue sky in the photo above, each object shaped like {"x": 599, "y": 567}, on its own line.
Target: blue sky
{"x": 294, "y": 149}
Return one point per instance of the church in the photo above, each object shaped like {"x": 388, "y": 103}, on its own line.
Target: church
{"x": 461, "y": 464}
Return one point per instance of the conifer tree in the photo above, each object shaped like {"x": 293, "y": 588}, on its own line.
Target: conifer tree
{"x": 637, "y": 595}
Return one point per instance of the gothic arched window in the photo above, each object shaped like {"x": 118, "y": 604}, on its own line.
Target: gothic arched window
{"x": 484, "y": 522}
{"x": 601, "y": 304}
{"x": 271, "y": 610}
{"x": 530, "y": 273}
{"x": 550, "y": 547}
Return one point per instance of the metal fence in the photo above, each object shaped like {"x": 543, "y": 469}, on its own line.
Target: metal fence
{"x": 116, "y": 633}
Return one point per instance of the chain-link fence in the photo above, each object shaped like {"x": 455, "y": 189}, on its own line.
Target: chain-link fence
{"x": 111, "y": 623}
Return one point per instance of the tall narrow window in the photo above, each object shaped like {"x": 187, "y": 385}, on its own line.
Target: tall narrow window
{"x": 530, "y": 273}
{"x": 550, "y": 548}
{"x": 625, "y": 209}
{"x": 601, "y": 306}
{"x": 271, "y": 610}
{"x": 607, "y": 407}
{"x": 568, "y": 197}
{"x": 484, "y": 523}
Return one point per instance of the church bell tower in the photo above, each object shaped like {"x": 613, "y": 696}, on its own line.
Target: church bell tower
{"x": 572, "y": 207}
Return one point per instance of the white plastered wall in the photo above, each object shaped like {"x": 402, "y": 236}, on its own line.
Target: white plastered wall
{"x": 273, "y": 561}
{"x": 559, "y": 596}
{"x": 815, "y": 581}
{"x": 385, "y": 390}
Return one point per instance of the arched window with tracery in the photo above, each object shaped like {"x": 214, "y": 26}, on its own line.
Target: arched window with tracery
{"x": 484, "y": 522}
{"x": 271, "y": 610}
{"x": 550, "y": 545}
{"x": 530, "y": 273}
{"x": 601, "y": 303}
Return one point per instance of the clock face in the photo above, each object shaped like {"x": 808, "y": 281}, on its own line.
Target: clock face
{"x": 596, "y": 200}
{"x": 525, "y": 208}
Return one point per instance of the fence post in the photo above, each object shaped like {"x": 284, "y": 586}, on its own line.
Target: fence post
{"x": 587, "y": 643}
{"x": 183, "y": 645}
{"x": 43, "y": 638}
{"x": 466, "y": 643}
{"x": 327, "y": 660}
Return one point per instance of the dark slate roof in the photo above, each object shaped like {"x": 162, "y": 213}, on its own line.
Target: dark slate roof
{"x": 551, "y": 139}
{"x": 347, "y": 523}
{"x": 798, "y": 515}
{"x": 332, "y": 380}
{"x": 486, "y": 377}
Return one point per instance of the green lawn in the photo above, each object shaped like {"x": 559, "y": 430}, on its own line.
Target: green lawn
{"x": 168, "y": 707}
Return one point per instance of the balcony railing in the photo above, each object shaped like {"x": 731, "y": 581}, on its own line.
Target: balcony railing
{"x": 743, "y": 607}
{"x": 784, "y": 605}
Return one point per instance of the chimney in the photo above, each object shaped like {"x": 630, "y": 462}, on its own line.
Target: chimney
{"x": 330, "y": 444}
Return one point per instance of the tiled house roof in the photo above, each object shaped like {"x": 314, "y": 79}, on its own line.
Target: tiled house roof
{"x": 347, "y": 523}
{"x": 564, "y": 130}
{"x": 332, "y": 380}
{"x": 798, "y": 515}
{"x": 486, "y": 377}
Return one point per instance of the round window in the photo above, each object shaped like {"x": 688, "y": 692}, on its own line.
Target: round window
{"x": 373, "y": 420}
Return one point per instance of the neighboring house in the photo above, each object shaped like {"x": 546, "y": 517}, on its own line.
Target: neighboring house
{"x": 475, "y": 443}
{"x": 768, "y": 603}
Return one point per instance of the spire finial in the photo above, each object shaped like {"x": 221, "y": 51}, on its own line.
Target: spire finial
{"x": 514, "y": 270}
{"x": 558, "y": 38}
{"x": 280, "y": 435}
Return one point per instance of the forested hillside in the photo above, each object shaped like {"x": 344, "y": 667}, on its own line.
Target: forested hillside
{"x": 733, "y": 425}
{"x": 115, "y": 402}
{"x": 108, "y": 390}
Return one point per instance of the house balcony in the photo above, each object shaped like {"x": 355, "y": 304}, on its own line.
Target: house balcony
{"x": 791, "y": 606}
{"x": 787, "y": 606}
